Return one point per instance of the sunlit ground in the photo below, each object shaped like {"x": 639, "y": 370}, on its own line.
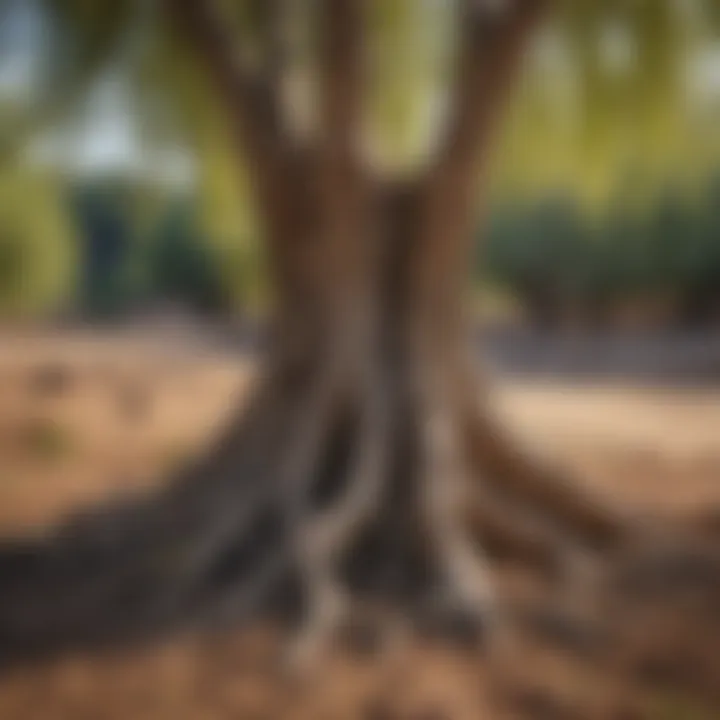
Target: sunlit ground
{"x": 82, "y": 417}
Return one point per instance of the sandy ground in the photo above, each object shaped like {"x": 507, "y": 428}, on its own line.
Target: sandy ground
{"x": 81, "y": 419}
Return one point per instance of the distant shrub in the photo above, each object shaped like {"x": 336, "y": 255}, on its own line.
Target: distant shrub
{"x": 108, "y": 285}
{"x": 565, "y": 265}
{"x": 183, "y": 267}
{"x": 36, "y": 254}
{"x": 171, "y": 259}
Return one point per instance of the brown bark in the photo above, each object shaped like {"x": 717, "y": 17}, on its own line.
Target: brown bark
{"x": 361, "y": 405}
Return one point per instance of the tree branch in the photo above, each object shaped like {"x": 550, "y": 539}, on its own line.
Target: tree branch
{"x": 341, "y": 70}
{"x": 270, "y": 16}
{"x": 250, "y": 100}
{"x": 342, "y": 89}
{"x": 492, "y": 47}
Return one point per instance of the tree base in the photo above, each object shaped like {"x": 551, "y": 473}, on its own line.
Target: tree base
{"x": 328, "y": 498}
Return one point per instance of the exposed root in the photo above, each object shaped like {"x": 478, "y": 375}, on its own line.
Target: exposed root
{"x": 466, "y": 584}
{"x": 130, "y": 570}
{"x": 322, "y": 535}
{"x": 341, "y": 491}
{"x": 510, "y": 532}
{"x": 575, "y": 511}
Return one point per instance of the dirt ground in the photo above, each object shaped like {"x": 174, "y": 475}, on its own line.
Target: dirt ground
{"x": 82, "y": 418}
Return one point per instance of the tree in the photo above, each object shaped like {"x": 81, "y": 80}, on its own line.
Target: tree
{"x": 366, "y": 464}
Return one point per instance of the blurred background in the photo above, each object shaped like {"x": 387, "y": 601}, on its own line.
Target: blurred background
{"x": 132, "y": 283}
{"x": 120, "y": 195}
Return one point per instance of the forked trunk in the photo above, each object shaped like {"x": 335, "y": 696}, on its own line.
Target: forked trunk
{"x": 367, "y": 464}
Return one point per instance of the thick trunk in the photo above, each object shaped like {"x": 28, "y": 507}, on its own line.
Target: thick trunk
{"x": 364, "y": 464}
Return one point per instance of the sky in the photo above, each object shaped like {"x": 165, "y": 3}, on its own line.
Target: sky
{"x": 106, "y": 136}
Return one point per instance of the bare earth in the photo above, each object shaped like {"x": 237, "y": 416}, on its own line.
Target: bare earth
{"x": 82, "y": 418}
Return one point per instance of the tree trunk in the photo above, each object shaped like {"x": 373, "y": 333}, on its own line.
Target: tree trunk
{"x": 364, "y": 464}
{"x": 364, "y": 467}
